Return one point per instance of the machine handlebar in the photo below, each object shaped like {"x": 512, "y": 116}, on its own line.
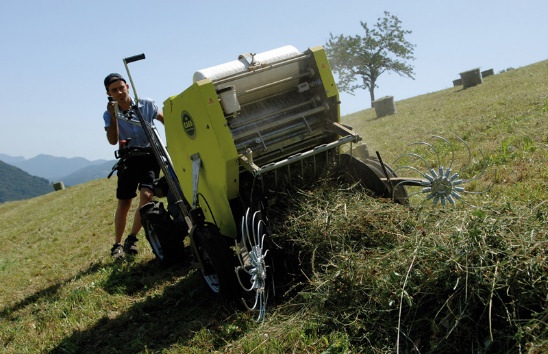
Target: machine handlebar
{"x": 134, "y": 58}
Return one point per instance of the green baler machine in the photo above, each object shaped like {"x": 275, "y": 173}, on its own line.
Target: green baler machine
{"x": 237, "y": 136}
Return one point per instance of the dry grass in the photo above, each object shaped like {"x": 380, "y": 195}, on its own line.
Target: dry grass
{"x": 362, "y": 274}
{"x": 475, "y": 280}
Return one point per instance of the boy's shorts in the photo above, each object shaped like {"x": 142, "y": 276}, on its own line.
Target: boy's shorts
{"x": 137, "y": 172}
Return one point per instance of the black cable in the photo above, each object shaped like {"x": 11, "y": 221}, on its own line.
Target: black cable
{"x": 209, "y": 208}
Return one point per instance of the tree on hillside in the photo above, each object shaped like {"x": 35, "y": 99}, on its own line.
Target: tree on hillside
{"x": 359, "y": 61}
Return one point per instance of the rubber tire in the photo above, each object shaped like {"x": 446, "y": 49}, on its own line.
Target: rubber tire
{"x": 166, "y": 241}
{"x": 217, "y": 261}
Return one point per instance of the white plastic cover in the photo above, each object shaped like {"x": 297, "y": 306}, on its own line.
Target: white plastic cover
{"x": 241, "y": 65}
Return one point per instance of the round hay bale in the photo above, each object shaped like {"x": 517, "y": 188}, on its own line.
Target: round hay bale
{"x": 457, "y": 82}
{"x": 57, "y": 186}
{"x": 384, "y": 106}
{"x": 471, "y": 78}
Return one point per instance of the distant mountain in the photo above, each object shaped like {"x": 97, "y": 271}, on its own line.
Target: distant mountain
{"x": 51, "y": 167}
{"x": 88, "y": 173}
{"x": 11, "y": 159}
{"x": 17, "y": 184}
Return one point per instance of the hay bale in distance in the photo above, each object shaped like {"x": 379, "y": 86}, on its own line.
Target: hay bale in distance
{"x": 384, "y": 106}
{"x": 457, "y": 82}
{"x": 471, "y": 78}
{"x": 488, "y": 72}
{"x": 58, "y": 186}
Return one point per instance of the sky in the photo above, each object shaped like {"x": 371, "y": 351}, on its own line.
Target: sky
{"x": 55, "y": 54}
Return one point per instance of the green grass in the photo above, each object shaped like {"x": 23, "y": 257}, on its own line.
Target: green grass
{"x": 371, "y": 276}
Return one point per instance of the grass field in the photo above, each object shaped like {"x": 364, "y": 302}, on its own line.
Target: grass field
{"x": 372, "y": 276}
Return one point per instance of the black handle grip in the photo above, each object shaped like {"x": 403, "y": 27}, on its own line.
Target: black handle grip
{"x": 135, "y": 58}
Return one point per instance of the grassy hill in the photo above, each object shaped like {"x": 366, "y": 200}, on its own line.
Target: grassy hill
{"x": 17, "y": 184}
{"x": 373, "y": 276}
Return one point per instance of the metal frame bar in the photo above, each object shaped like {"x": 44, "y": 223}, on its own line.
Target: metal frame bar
{"x": 257, "y": 171}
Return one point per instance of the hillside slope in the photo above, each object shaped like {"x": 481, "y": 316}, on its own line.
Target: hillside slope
{"x": 17, "y": 184}
{"x": 504, "y": 101}
{"x": 373, "y": 276}
{"x": 505, "y": 119}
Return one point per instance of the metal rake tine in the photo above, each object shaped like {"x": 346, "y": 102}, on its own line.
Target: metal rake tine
{"x": 473, "y": 193}
{"x": 259, "y": 232}
{"x": 479, "y": 174}
{"x": 247, "y": 306}
{"x": 247, "y": 234}
{"x": 247, "y": 224}
{"x": 262, "y": 243}
{"x": 256, "y": 301}
{"x": 262, "y": 308}
{"x": 450, "y": 146}
{"x": 485, "y": 191}
{"x": 469, "y": 204}
{"x": 239, "y": 279}
{"x": 411, "y": 168}
{"x": 469, "y": 154}
{"x": 431, "y": 147}
{"x": 414, "y": 194}
{"x": 413, "y": 155}
{"x": 395, "y": 188}
{"x": 255, "y": 236}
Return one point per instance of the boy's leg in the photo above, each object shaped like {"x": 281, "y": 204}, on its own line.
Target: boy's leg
{"x": 120, "y": 219}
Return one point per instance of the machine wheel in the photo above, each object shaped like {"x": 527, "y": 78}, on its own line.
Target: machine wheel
{"x": 255, "y": 272}
{"x": 166, "y": 240}
{"x": 370, "y": 171}
{"x": 216, "y": 260}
